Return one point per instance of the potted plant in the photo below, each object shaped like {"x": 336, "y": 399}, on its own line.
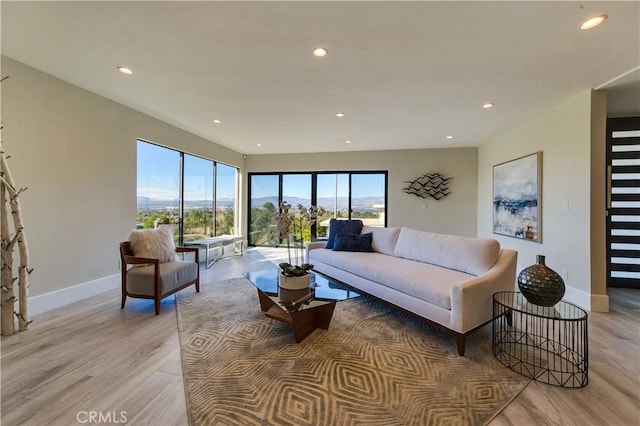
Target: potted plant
{"x": 293, "y": 222}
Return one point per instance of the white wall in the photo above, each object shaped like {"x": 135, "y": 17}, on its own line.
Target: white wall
{"x": 564, "y": 135}
{"x": 454, "y": 214}
{"x": 76, "y": 152}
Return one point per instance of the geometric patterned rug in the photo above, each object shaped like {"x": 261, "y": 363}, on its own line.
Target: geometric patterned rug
{"x": 374, "y": 366}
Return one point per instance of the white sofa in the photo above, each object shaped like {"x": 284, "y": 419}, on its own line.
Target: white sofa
{"x": 446, "y": 279}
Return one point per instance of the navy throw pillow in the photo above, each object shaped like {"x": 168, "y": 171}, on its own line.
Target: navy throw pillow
{"x": 353, "y": 242}
{"x": 339, "y": 227}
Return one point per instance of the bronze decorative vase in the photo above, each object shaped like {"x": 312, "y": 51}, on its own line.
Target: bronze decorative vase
{"x": 540, "y": 284}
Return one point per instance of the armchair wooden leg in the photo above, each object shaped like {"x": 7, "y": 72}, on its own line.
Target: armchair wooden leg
{"x": 124, "y": 299}
{"x": 157, "y": 305}
{"x": 197, "y": 286}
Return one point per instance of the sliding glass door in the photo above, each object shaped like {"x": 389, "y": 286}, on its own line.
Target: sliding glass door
{"x": 264, "y": 195}
{"x": 296, "y": 190}
{"x": 332, "y": 195}
{"x": 368, "y": 195}
{"x": 343, "y": 195}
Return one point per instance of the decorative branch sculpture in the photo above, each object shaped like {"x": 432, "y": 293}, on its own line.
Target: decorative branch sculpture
{"x": 433, "y": 185}
{"x": 10, "y": 202}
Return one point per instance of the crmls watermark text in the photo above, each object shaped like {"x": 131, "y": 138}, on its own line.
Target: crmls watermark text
{"x": 97, "y": 417}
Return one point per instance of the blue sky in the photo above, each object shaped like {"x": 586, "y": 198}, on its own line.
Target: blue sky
{"x": 159, "y": 175}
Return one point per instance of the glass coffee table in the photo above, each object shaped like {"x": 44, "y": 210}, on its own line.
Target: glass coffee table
{"x": 305, "y": 310}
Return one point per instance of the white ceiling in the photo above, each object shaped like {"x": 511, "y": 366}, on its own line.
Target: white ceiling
{"x": 406, "y": 73}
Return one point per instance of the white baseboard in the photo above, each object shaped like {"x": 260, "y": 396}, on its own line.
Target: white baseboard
{"x": 588, "y": 301}
{"x": 55, "y": 299}
{"x": 578, "y": 297}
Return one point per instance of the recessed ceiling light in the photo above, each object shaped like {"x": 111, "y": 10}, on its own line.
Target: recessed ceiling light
{"x": 340, "y": 114}
{"x": 449, "y": 137}
{"x": 216, "y": 121}
{"x": 593, "y": 22}
{"x": 258, "y": 144}
{"x": 125, "y": 70}
{"x": 320, "y": 52}
{"x": 347, "y": 141}
{"x": 488, "y": 105}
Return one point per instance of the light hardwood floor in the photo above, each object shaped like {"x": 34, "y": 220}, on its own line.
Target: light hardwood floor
{"x": 92, "y": 356}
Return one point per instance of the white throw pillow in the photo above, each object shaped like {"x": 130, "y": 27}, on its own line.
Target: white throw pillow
{"x": 154, "y": 243}
{"x": 384, "y": 239}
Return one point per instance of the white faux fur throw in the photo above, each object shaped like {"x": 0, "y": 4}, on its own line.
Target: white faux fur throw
{"x": 154, "y": 243}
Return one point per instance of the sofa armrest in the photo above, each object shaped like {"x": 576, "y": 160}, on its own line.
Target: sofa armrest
{"x": 316, "y": 245}
{"x": 472, "y": 300}
{"x": 312, "y": 246}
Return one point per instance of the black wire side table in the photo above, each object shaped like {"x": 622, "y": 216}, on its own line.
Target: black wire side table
{"x": 547, "y": 344}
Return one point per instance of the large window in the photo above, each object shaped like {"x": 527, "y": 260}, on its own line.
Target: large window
{"x": 158, "y": 187}
{"x": 195, "y": 195}
{"x": 343, "y": 195}
{"x": 197, "y": 198}
{"x": 226, "y": 199}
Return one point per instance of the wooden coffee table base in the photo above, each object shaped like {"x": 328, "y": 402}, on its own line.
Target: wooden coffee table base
{"x": 304, "y": 322}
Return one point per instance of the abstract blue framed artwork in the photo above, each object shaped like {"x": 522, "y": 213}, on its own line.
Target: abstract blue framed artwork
{"x": 517, "y": 198}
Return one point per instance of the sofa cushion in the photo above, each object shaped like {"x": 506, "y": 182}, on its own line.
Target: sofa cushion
{"x": 172, "y": 275}
{"x": 338, "y": 226}
{"x": 420, "y": 280}
{"x": 383, "y": 239}
{"x": 471, "y": 255}
{"x": 353, "y": 242}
